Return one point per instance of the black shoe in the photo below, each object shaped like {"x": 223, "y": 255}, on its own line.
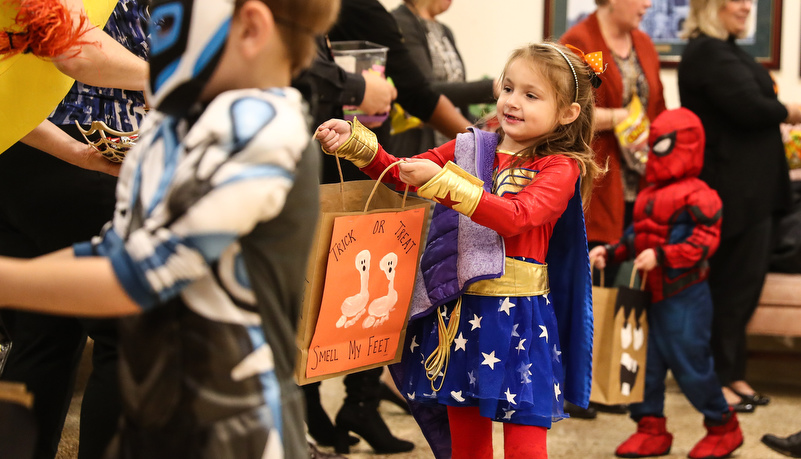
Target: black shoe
{"x": 364, "y": 420}
{"x": 386, "y": 393}
{"x": 611, "y": 409}
{"x": 319, "y": 424}
{"x": 743, "y": 406}
{"x": 755, "y": 399}
{"x": 576, "y": 411}
{"x": 790, "y": 446}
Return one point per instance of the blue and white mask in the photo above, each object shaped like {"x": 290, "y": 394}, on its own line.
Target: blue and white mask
{"x": 186, "y": 40}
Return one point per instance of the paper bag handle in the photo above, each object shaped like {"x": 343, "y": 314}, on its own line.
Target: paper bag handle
{"x": 378, "y": 182}
{"x": 634, "y": 274}
{"x": 631, "y": 281}
{"x": 603, "y": 274}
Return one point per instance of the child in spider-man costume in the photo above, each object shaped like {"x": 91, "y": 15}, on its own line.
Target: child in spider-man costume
{"x": 676, "y": 229}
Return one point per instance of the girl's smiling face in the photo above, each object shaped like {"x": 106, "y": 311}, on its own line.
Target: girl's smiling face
{"x": 527, "y": 106}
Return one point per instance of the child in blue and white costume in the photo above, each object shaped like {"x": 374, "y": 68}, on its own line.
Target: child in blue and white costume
{"x": 215, "y": 206}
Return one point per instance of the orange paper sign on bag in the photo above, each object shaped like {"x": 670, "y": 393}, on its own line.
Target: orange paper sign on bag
{"x": 368, "y": 286}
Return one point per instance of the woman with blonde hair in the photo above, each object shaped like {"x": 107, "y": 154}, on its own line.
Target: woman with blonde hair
{"x": 736, "y": 99}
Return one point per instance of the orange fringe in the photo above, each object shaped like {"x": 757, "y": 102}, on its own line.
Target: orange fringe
{"x": 43, "y": 28}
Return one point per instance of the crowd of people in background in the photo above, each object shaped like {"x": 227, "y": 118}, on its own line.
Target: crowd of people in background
{"x": 155, "y": 273}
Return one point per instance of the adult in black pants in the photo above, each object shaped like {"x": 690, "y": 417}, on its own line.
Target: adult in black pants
{"x": 39, "y": 218}
{"x": 47, "y": 204}
{"x": 327, "y": 87}
{"x": 744, "y": 162}
{"x": 331, "y": 88}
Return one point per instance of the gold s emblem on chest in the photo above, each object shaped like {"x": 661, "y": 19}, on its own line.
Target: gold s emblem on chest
{"x": 511, "y": 180}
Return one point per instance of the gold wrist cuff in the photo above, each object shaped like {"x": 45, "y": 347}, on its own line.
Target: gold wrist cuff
{"x": 360, "y": 148}
{"x": 455, "y": 188}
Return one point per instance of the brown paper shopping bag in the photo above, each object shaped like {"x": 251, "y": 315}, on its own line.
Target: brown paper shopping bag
{"x": 620, "y": 343}
{"x": 359, "y": 279}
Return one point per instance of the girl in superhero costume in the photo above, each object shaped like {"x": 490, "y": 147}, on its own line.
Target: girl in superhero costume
{"x": 501, "y": 325}
{"x": 676, "y": 229}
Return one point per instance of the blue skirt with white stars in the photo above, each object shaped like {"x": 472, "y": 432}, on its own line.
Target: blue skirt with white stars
{"x": 505, "y": 359}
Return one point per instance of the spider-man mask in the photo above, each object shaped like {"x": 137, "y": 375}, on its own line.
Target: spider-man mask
{"x": 677, "y": 146}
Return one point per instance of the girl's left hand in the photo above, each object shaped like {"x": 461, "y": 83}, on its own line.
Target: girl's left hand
{"x": 418, "y": 171}
{"x": 646, "y": 260}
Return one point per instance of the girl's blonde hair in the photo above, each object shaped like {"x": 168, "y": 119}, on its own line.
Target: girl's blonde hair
{"x": 704, "y": 18}
{"x": 299, "y": 22}
{"x": 573, "y": 139}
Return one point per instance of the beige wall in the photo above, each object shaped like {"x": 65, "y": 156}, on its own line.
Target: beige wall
{"x": 486, "y": 31}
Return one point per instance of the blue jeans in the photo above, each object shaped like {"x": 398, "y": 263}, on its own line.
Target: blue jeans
{"x": 679, "y": 332}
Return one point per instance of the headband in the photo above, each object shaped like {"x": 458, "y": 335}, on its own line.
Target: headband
{"x": 575, "y": 77}
{"x": 594, "y": 60}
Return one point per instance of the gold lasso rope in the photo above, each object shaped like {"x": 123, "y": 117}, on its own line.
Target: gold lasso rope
{"x": 438, "y": 360}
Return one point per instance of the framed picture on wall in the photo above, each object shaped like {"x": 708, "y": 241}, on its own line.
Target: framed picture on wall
{"x": 665, "y": 19}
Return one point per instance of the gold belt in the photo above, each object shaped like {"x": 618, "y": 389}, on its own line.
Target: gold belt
{"x": 520, "y": 278}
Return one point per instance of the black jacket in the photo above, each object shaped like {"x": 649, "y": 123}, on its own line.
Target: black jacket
{"x": 744, "y": 158}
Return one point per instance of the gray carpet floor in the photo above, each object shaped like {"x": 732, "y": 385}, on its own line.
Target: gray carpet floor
{"x": 776, "y": 373}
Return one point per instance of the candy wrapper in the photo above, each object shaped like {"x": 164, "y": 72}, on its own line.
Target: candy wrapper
{"x": 791, "y": 135}
{"x": 632, "y": 136}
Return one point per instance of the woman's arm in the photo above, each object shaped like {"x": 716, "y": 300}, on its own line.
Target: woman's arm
{"x": 48, "y": 138}
{"x": 463, "y": 93}
{"x": 103, "y": 61}
{"x": 607, "y": 118}
{"x": 793, "y": 114}
{"x": 447, "y": 119}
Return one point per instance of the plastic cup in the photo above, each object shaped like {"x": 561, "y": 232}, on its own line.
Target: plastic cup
{"x": 356, "y": 57}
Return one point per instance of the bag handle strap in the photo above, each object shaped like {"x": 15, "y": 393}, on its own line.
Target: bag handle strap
{"x": 631, "y": 281}
{"x": 642, "y": 281}
{"x": 378, "y": 182}
{"x": 592, "y": 274}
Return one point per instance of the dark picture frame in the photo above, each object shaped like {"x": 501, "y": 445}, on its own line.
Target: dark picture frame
{"x": 663, "y": 23}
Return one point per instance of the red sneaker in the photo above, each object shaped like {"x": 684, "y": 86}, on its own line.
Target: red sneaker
{"x": 651, "y": 439}
{"x": 720, "y": 440}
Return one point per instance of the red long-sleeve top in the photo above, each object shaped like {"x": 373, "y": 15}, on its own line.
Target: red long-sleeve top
{"x": 526, "y": 201}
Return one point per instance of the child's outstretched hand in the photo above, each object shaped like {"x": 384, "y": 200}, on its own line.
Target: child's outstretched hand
{"x": 417, "y": 171}
{"x": 332, "y": 134}
{"x": 646, "y": 260}
{"x": 598, "y": 257}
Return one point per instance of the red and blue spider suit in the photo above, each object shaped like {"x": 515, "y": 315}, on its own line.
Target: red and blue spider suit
{"x": 679, "y": 217}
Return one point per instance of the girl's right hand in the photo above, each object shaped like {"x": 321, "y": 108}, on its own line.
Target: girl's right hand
{"x": 417, "y": 171}
{"x": 598, "y": 257}
{"x": 332, "y": 134}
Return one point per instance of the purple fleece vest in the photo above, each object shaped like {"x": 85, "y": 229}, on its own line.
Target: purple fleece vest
{"x": 459, "y": 251}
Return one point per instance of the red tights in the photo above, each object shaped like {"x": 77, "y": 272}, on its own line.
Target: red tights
{"x": 471, "y": 437}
